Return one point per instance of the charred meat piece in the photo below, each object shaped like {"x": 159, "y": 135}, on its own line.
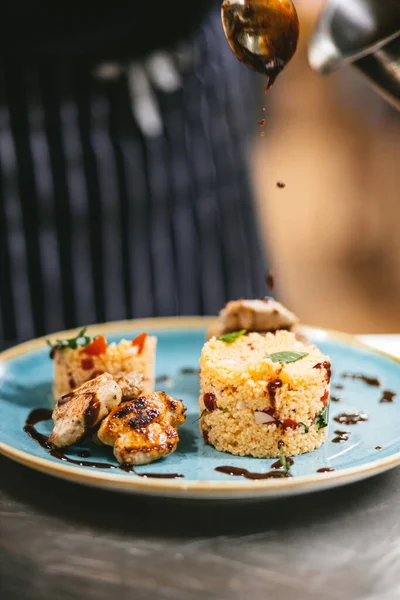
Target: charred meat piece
{"x": 131, "y": 385}
{"x": 82, "y": 409}
{"x": 144, "y": 429}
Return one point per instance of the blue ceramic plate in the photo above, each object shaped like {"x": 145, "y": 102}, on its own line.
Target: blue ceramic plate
{"x": 372, "y": 446}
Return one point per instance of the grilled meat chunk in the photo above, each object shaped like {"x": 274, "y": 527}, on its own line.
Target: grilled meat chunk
{"x": 82, "y": 409}
{"x": 144, "y": 429}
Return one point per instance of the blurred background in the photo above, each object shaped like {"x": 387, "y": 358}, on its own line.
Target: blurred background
{"x": 124, "y": 188}
{"x": 333, "y": 233}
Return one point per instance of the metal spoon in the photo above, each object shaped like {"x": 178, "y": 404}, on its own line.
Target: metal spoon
{"x": 262, "y": 34}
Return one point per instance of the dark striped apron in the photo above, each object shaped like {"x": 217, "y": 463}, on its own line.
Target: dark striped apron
{"x": 122, "y": 196}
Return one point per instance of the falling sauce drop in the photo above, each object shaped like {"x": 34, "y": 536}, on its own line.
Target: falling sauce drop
{"x": 262, "y": 122}
{"x": 262, "y": 133}
{"x": 270, "y": 280}
{"x": 280, "y": 184}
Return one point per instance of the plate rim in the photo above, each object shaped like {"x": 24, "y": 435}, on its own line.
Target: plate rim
{"x": 178, "y": 487}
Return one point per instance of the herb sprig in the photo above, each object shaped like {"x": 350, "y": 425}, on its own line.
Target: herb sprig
{"x": 306, "y": 429}
{"x": 284, "y": 461}
{"x": 203, "y": 412}
{"x": 81, "y": 339}
{"x": 321, "y": 419}
{"x": 229, "y": 338}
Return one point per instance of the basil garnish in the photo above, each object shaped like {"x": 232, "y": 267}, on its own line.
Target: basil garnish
{"x": 80, "y": 340}
{"x": 321, "y": 420}
{"x": 229, "y": 338}
{"x": 286, "y": 356}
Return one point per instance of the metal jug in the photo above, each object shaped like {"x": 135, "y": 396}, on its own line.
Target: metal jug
{"x": 365, "y": 33}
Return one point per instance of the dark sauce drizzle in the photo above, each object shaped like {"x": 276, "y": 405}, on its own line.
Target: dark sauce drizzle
{"x": 336, "y": 399}
{"x": 372, "y": 381}
{"x": 237, "y": 472}
{"x": 326, "y": 470}
{"x": 272, "y": 387}
{"x": 328, "y": 369}
{"x": 278, "y": 464}
{"x": 44, "y": 414}
{"x": 84, "y": 454}
{"x": 36, "y": 416}
{"x": 277, "y": 473}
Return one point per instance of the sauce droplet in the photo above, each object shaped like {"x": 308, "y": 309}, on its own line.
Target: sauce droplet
{"x": 165, "y": 379}
{"x": 372, "y": 381}
{"x": 280, "y": 184}
{"x": 387, "y": 397}
{"x": 342, "y": 436}
{"x": 189, "y": 371}
{"x": 270, "y": 280}
{"x": 351, "y": 418}
{"x": 326, "y": 470}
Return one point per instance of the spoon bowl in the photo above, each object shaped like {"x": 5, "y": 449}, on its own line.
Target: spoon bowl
{"x": 263, "y": 34}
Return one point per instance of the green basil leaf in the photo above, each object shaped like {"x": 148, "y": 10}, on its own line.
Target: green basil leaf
{"x": 286, "y": 356}
{"x": 306, "y": 430}
{"x": 321, "y": 420}
{"x": 229, "y": 338}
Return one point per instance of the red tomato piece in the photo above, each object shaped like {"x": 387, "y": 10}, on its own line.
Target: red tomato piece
{"x": 140, "y": 341}
{"x": 325, "y": 397}
{"x": 87, "y": 363}
{"x": 98, "y": 346}
{"x": 289, "y": 424}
